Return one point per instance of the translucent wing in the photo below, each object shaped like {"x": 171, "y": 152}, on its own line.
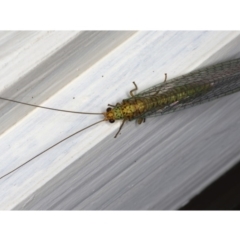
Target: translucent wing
{"x": 219, "y": 90}
{"x": 208, "y": 74}
{"x": 224, "y": 79}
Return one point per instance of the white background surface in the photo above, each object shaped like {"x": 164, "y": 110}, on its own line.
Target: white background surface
{"x": 161, "y": 164}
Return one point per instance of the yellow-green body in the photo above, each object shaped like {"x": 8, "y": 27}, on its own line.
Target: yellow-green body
{"x": 136, "y": 107}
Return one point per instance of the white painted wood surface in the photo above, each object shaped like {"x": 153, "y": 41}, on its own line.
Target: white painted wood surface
{"x": 161, "y": 164}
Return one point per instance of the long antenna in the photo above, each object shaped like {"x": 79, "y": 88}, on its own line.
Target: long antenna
{"x": 54, "y": 109}
{"x": 50, "y": 148}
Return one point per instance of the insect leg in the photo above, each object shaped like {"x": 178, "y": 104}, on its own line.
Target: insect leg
{"x": 120, "y": 127}
{"x": 110, "y": 105}
{"x": 141, "y": 120}
{"x": 165, "y": 80}
{"x": 136, "y": 88}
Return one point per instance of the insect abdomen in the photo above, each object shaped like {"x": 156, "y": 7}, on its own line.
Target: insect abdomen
{"x": 177, "y": 94}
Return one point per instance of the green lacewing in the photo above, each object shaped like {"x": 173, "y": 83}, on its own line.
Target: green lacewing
{"x": 169, "y": 96}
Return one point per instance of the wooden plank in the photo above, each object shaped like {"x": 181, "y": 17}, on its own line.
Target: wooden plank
{"x": 158, "y": 165}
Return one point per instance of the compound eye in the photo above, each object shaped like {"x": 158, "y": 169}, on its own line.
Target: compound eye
{"x": 111, "y": 121}
{"x": 109, "y": 109}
